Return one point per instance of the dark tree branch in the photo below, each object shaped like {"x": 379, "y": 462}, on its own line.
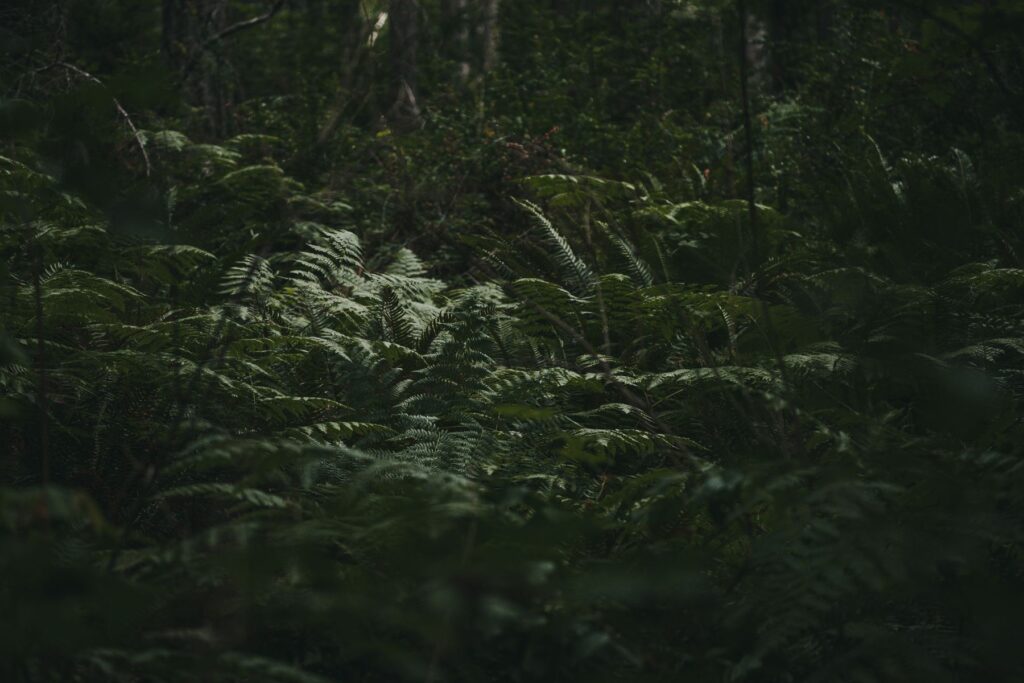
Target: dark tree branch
{"x": 248, "y": 23}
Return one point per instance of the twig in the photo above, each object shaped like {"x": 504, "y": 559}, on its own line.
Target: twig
{"x": 117, "y": 103}
{"x": 198, "y": 51}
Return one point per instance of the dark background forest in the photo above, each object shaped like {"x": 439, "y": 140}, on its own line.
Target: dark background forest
{"x": 547, "y": 340}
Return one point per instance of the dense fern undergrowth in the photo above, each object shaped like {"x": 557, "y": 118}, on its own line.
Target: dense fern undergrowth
{"x": 601, "y": 423}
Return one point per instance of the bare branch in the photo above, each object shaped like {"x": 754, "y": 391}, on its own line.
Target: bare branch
{"x": 117, "y": 104}
{"x": 248, "y": 23}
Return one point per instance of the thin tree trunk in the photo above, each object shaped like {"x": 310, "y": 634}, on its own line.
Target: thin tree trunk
{"x": 748, "y": 134}
{"x": 718, "y": 33}
{"x": 186, "y": 26}
{"x": 172, "y": 34}
{"x": 456, "y": 33}
{"x": 359, "y": 41}
{"x": 212, "y": 84}
{"x": 404, "y": 19}
{"x": 779, "y": 35}
{"x": 488, "y": 28}
{"x": 755, "y": 39}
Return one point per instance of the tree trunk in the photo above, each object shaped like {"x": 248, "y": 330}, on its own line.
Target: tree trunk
{"x": 355, "y": 68}
{"x": 185, "y": 26}
{"x": 779, "y": 33}
{"x": 488, "y": 28}
{"x": 172, "y": 34}
{"x": 756, "y": 41}
{"x": 455, "y": 29}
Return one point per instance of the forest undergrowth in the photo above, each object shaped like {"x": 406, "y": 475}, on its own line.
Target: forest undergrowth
{"x": 630, "y": 359}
